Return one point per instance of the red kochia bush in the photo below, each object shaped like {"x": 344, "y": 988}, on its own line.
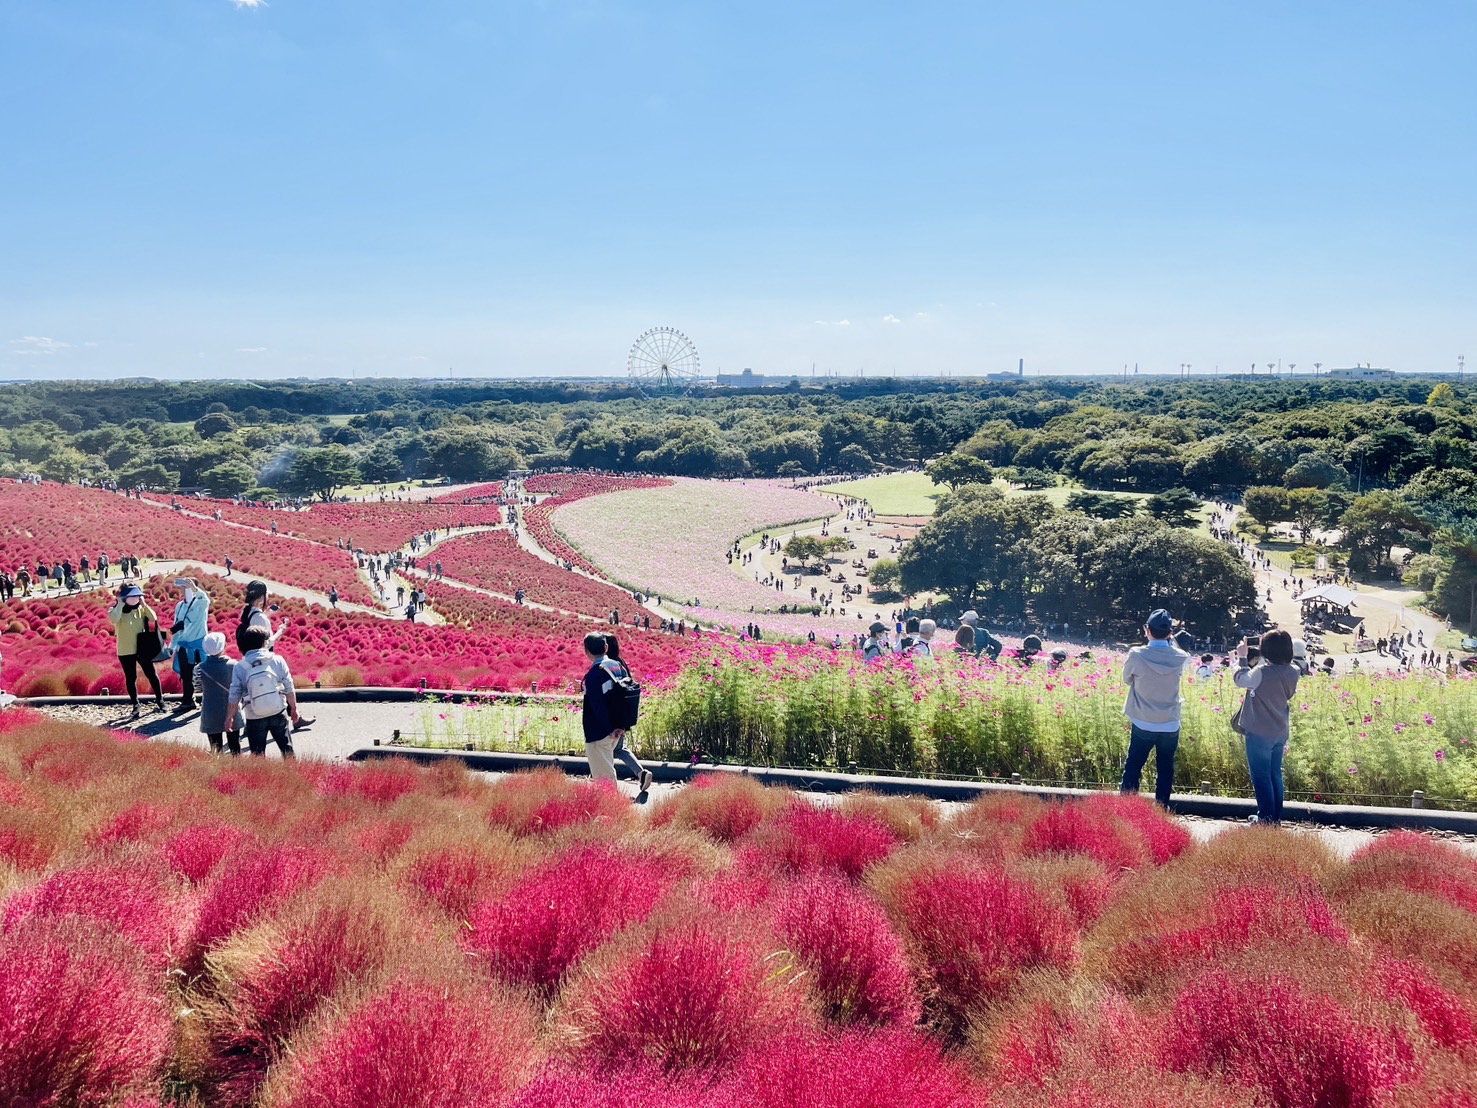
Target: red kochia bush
{"x": 724, "y": 806}
{"x": 646, "y": 1087}
{"x": 562, "y": 910}
{"x": 1297, "y": 1049}
{"x": 251, "y": 880}
{"x": 973, "y": 931}
{"x": 546, "y": 800}
{"x": 79, "y": 1022}
{"x": 689, "y": 992}
{"x": 1121, "y": 832}
{"x": 879, "y": 1069}
{"x": 194, "y": 852}
{"x": 1447, "y": 1018}
{"x": 412, "y": 1044}
{"x": 805, "y": 838}
{"x": 1416, "y": 863}
{"x": 858, "y": 968}
{"x": 122, "y": 898}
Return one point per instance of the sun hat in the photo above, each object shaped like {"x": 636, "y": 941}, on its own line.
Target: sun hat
{"x": 970, "y": 617}
{"x": 215, "y": 643}
{"x": 1159, "y": 622}
{"x": 129, "y": 592}
{"x": 1299, "y": 648}
{"x": 877, "y": 629}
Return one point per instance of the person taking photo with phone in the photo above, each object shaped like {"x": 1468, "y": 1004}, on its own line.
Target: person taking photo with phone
{"x": 1265, "y": 670}
{"x": 1153, "y": 673}
{"x": 190, "y": 628}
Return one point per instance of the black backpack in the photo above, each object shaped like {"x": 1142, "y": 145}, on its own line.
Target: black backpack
{"x": 623, "y": 701}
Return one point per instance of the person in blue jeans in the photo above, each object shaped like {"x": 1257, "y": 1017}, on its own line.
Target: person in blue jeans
{"x": 1153, "y": 673}
{"x": 1266, "y": 717}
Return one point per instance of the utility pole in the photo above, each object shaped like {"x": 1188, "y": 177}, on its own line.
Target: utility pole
{"x": 1461, "y": 367}
{"x": 1316, "y": 367}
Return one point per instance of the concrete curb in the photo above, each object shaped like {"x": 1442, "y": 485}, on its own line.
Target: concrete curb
{"x": 962, "y": 792}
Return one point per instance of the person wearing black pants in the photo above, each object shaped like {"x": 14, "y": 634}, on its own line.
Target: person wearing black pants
{"x": 131, "y": 618}
{"x": 1153, "y": 673}
{"x": 261, "y": 685}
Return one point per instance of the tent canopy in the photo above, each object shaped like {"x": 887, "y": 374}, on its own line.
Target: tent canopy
{"x": 1336, "y": 595}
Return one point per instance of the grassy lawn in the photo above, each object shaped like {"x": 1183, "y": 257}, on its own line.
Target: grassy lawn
{"x": 894, "y": 494}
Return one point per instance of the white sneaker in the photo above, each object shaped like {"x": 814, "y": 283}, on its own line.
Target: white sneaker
{"x": 645, "y": 780}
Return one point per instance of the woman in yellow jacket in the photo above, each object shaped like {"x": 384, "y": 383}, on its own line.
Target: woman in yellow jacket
{"x": 130, "y": 618}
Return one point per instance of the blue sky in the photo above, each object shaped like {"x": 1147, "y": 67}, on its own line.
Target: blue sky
{"x": 217, "y": 187}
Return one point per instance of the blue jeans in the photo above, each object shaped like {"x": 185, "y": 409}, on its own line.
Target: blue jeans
{"x": 1140, "y": 743}
{"x": 627, "y": 759}
{"x": 1264, "y": 760}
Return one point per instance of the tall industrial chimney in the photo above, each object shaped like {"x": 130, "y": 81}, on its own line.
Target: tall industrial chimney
{"x": 1021, "y": 369}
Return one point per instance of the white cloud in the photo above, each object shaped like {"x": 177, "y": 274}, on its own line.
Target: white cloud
{"x": 838, "y": 323}
{"x": 420, "y": 358}
{"x": 890, "y": 318}
{"x": 249, "y": 4}
{"x": 251, "y": 349}
{"x": 38, "y": 344}
{"x": 920, "y": 315}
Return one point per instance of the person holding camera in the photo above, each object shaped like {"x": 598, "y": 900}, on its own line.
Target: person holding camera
{"x": 190, "y": 628}
{"x": 1153, "y": 673}
{"x": 1265, "y": 670}
{"x": 254, "y": 615}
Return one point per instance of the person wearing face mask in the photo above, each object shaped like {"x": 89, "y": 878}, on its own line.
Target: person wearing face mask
{"x": 131, "y": 618}
{"x": 190, "y": 629}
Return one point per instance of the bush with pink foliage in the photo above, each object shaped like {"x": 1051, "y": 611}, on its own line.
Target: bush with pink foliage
{"x": 412, "y": 1043}
{"x": 858, "y": 969}
{"x": 81, "y": 1021}
{"x": 559, "y": 912}
{"x": 805, "y": 838}
{"x": 1298, "y": 1049}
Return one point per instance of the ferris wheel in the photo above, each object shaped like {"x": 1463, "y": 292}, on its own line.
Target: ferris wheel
{"x": 663, "y": 360}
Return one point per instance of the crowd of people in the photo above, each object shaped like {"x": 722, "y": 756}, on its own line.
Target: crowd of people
{"x": 254, "y": 696}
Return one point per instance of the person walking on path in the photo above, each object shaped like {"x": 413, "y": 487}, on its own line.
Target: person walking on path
{"x": 189, "y": 630}
{"x": 622, "y": 755}
{"x": 211, "y": 682}
{"x": 601, "y": 734}
{"x": 1265, "y": 717}
{"x": 1153, "y": 673}
{"x": 255, "y": 615}
{"x": 261, "y": 686}
{"x": 132, "y": 619}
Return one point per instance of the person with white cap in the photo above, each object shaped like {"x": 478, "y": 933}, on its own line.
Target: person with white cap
{"x": 980, "y": 640}
{"x": 1153, "y": 673}
{"x": 212, "y": 687}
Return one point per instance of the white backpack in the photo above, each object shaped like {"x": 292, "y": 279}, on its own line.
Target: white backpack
{"x": 263, "y": 697}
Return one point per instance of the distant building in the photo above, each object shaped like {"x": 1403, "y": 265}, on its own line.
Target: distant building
{"x": 748, "y": 379}
{"x": 1361, "y": 373}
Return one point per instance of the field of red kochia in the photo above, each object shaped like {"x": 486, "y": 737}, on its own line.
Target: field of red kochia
{"x": 493, "y": 560}
{"x": 53, "y": 523}
{"x": 55, "y": 647}
{"x": 253, "y": 932}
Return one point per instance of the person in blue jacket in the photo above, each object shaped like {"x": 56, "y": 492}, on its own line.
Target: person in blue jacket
{"x": 191, "y": 615}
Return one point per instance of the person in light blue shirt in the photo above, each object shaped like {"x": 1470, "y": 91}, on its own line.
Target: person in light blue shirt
{"x": 191, "y": 625}
{"x": 1153, "y": 673}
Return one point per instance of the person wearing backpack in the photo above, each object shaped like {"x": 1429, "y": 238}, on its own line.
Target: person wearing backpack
{"x": 875, "y": 645}
{"x": 261, "y": 686}
{"x": 604, "y": 731}
{"x": 212, "y": 685}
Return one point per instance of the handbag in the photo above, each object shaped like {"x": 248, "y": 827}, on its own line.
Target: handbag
{"x": 151, "y": 642}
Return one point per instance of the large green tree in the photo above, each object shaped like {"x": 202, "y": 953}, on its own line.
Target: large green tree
{"x": 321, "y": 472}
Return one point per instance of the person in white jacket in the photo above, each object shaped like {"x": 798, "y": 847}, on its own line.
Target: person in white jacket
{"x": 1153, "y": 673}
